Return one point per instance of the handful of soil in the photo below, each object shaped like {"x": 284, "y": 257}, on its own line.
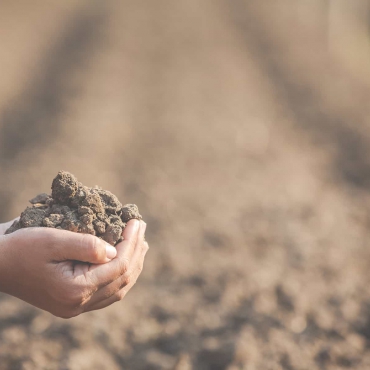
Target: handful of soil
{"x": 75, "y": 207}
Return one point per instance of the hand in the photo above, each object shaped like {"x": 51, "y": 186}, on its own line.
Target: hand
{"x": 67, "y": 273}
{"x": 5, "y": 226}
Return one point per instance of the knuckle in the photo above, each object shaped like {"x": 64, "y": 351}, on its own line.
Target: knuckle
{"x": 111, "y": 293}
{"x": 123, "y": 266}
{"x": 126, "y": 280}
{"x": 145, "y": 246}
{"x": 120, "y": 295}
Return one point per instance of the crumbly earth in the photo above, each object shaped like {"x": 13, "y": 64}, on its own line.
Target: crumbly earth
{"x": 244, "y": 129}
{"x": 75, "y": 207}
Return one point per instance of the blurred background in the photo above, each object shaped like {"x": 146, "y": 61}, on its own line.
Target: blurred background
{"x": 241, "y": 130}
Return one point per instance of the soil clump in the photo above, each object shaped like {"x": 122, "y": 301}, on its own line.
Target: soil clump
{"x": 78, "y": 208}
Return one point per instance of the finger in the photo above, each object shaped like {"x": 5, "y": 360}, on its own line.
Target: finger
{"x": 68, "y": 245}
{"x": 118, "y": 295}
{"x": 125, "y": 266}
{"x": 126, "y": 280}
{"x": 134, "y": 235}
{"x": 107, "y": 302}
{"x": 105, "y": 274}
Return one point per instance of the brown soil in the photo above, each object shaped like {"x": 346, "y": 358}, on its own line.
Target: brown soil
{"x": 243, "y": 139}
{"x": 75, "y": 207}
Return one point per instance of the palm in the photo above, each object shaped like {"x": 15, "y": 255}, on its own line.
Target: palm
{"x": 73, "y": 269}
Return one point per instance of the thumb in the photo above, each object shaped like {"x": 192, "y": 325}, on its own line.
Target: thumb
{"x": 84, "y": 248}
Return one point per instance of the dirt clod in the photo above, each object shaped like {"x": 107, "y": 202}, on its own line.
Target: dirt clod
{"x": 75, "y": 207}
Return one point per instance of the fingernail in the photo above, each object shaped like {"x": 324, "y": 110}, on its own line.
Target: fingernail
{"x": 111, "y": 252}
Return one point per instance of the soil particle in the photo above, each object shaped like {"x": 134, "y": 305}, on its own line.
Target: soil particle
{"x": 75, "y": 207}
{"x": 99, "y": 226}
{"x": 53, "y": 220}
{"x": 112, "y": 234}
{"x": 32, "y": 217}
{"x": 64, "y": 187}
{"x": 130, "y": 211}
{"x": 41, "y": 198}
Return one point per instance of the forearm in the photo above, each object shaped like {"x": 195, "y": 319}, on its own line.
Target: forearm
{"x": 18, "y": 273}
{"x": 3, "y": 265}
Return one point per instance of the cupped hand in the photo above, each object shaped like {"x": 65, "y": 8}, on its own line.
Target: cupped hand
{"x": 5, "y": 226}
{"x": 67, "y": 273}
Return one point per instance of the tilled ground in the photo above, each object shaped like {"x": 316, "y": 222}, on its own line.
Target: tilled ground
{"x": 244, "y": 143}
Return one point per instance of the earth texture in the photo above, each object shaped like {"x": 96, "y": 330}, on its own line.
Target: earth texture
{"x": 241, "y": 130}
{"x": 75, "y": 207}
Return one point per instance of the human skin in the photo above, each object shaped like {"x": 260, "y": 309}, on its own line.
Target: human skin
{"x": 67, "y": 273}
